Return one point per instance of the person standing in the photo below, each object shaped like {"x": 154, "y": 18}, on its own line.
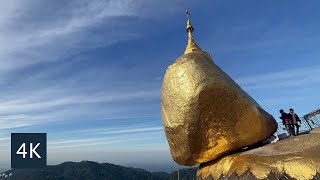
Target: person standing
{"x": 287, "y": 122}
{"x": 295, "y": 120}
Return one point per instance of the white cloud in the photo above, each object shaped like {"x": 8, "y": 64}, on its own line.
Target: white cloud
{"x": 117, "y": 133}
{"x": 27, "y": 38}
{"x": 116, "y": 136}
{"x": 145, "y": 127}
{"x": 36, "y": 34}
{"x": 43, "y": 103}
{"x": 92, "y": 143}
{"x": 46, "y": 108}
{"x": 133, "y": 130}
{"x": 34, "y": 31}
{"x": 294, "y": 77}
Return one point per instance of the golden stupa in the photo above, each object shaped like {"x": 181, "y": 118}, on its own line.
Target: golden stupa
{"x": 205, "y": 113}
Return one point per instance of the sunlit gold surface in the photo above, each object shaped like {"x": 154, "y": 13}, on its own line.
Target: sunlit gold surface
{"x": 205, "y": 113}
{"x": 298, "y": 157}
{"x": 192, "y": 45}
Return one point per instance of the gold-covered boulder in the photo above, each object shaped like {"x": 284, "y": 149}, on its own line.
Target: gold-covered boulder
{"x": 205, "y": 113}
{"x": 296, "y": 157}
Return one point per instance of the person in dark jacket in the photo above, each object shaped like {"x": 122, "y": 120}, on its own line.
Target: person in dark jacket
{"x": 295, "y": 120}
{"x": 287, "y": 121}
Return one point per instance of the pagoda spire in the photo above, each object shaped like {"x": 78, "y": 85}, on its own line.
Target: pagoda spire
{"x": 192, "y": 45}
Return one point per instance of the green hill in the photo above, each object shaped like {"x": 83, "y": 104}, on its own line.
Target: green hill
{"x": 93, "y": 171}
{"x": 184, "y": 174}
{"x": 82, "y": 170}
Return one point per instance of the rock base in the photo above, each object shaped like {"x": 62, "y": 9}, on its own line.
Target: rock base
{"x": 296, "y": 157}
{"x": 272, "y": 176}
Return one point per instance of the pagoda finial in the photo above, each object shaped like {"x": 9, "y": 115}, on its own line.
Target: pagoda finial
{"x": 192, "y": 45}
{"x": 189, "y": 25}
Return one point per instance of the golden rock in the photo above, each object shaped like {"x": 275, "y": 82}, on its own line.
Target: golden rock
{"x": 205, "y": 113}
{"x": 298, "y": 157}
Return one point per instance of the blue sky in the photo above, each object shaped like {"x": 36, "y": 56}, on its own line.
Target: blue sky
{"x": 89, "y": 73}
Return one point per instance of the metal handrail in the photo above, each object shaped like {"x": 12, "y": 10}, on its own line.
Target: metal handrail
{"x": 308, "y": 122}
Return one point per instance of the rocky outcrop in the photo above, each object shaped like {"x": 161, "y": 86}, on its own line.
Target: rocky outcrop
{"x": 297, "y": 157}
{"x": 205, "y": 113}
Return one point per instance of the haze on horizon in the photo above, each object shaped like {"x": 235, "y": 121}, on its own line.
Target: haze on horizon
{"x": 89, "y": 73}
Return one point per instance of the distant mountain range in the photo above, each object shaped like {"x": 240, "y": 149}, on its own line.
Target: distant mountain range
{"x": 94, "y": 171}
